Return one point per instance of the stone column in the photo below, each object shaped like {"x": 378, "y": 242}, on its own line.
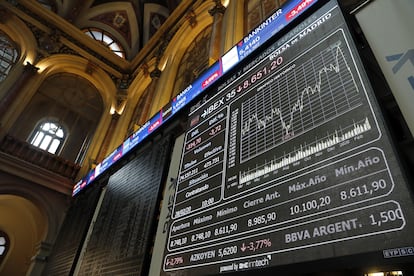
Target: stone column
{"x": 38, "y": 261}
{"x": 233, "y": 24}
{"x": 28, "y": 72}
{"x": 215, "y": 41}
{"x": 103, "y": 152}
{"x": 149, "y": 97}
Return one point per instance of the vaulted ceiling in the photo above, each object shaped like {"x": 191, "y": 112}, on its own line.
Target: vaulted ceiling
{"x": 59, "y": 27}
{"x": 131, "y": 22}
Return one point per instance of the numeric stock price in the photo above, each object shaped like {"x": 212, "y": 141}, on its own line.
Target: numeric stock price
{"x": 261, "y": 73}
{"x": 363, "y": 190}
{"x": 226, "y": 229}
{"x": 227, "y": 251}
{"x": 386, "y": 217}
{"x": 262, "y": 219}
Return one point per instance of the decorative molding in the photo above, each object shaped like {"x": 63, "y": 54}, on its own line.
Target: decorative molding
{"x": 68, "y": 51}
{"x": 218, "y": 8}
{"x": 121, "y": 98}
{"x": 191, "y": 18}
{"x": 4, "y": 15}
{"x": 57, "y": 33}
{"x": 118, "y": 20}
{"x": 155, "y": 74}
{"x": 145, "y": 69}
{"x": 50, "y": 42}
{"x": 36, "y": 174}
{"x": 13, "y": 2}
{"x": 124, "y": 82}
{"x": 30, "y": 68}
{"x": 90, "y": 68}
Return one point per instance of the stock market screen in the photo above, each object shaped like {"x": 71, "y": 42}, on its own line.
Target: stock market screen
{"x": 287, "y": 161}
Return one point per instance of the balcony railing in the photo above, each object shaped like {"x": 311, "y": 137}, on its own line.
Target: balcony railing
{"x": 38, "y": 157}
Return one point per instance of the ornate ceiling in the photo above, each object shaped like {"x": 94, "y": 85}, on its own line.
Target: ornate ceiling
{"x": 59, "y": 27}
{"x": 131, "y": 22}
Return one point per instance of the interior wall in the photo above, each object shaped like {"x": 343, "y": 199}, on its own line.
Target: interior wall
{"x": 70, "y": 100}
{"x": 26, "y": 226}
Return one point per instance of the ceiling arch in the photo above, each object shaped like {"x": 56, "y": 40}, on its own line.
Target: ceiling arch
{"x": 118, "y": 19}
{"x": 130, "y": 22}
{"x": 19, "y": 32}
{"x": 81, "y": 67}
{"x": 176, "y": 49}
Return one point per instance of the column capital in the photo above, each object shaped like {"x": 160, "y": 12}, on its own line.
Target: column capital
{"x": 191, "y": 18}
{"x": 155, "y": 74}
{"x": 217, "y": 9}
{"x": 30, "y": 68}
{"x": 43, "y": 251}
{"x": 115, "y": 116}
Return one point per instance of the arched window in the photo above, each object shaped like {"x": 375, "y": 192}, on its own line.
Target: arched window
{"x": 48, "y": 136}
{"x": 4, "y": 245}
{"x": 106, "y": 39}
{"x": 258, "y": 10}
{"x": 8, "y": 55}
{"x": 194, "y": 61}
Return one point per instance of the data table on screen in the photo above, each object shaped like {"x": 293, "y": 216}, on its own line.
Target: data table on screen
{"x": 288, "y": 160}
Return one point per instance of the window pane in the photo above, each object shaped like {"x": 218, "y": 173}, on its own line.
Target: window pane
{"x": 46, "y": 126}
{"x": 8, "y": 55}
{"x": 37, "y": 139}
{"x": 45, "y": 143}
{"x": 114, "y": 47}
{"x": 119, "y": 54}
{"x": 97, "y": 35}
{"x": 59, "y": 133}
{"x": 54, "y": 146}
{"x": 48, "y": 136}
{"x": 107, "y": 39}
{"x": 2, "y": 244}
{"x": 53, "y": 128}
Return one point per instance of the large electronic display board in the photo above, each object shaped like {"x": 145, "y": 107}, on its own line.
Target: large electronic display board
{"x": 276, "y": 22}
{"x": 288, "y": 161}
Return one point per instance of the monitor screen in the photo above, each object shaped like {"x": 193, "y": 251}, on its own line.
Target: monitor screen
{"x": 288, "y": 161}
